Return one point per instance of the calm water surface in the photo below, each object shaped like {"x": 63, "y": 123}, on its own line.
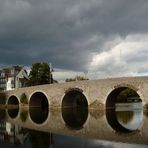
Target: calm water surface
{"x": 73, "y": 127}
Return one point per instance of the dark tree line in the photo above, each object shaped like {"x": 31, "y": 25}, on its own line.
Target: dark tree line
{"x": 40, "y": 74}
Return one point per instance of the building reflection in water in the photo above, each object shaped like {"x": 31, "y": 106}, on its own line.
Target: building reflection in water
{"x": 12, "y": 134}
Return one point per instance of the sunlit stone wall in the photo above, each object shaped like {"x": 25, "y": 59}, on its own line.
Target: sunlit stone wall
{"x": 96, "y": 91}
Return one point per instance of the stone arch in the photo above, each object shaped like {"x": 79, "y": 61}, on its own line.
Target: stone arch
{"x": 35, "y": 102}
{"x": 13, "y": 102}
{"x": 111, "y": 112}
{"x": 69, "y": 99}
{"x": 74, "y": 108}
{"x": 38, "y": 107}
{"x": 126, "y": 85}
{"x": 112, "y": 95}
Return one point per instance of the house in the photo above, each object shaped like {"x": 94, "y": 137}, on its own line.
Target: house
{"x": 13, "y": 77}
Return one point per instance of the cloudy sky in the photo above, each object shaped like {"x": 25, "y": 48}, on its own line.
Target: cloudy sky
{"x": 101, "y": 38}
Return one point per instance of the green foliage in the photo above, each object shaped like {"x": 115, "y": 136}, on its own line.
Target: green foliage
{"x": 2, "y": 98}
{"x": 77, "y": 78}
{"x": 40, "y": 74}
{"x": 24, "y": 99}
{"x": 126, "y": 94}
{"x": 146, "y": 106}
{"x": 24, "y": 115}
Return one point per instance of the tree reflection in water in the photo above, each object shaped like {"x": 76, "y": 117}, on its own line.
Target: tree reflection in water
{"x": 24, "y": 115}
{"x": 40, "y": 139}
{"x": 124, "y": 116}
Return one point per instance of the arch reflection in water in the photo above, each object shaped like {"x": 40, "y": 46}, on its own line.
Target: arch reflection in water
{"x": 125, "y": 121}
{"x": 13, "y": 101}
{"x": 38, "y": 108}
{"x": 13, "y": 106}
{"x": 75, "y": 109}
{"x": 124, "y": 109}
{"x": 13, "y": 113}
{"x": 130, "y": 120}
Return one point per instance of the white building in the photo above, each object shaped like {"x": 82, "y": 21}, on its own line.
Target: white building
{"x": 13, "y": 77}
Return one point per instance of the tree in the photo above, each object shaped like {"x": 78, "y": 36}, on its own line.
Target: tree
{"x": 40, "y": 74}
{"x": 77, "y": 78}
{"x": 127, "y": 94}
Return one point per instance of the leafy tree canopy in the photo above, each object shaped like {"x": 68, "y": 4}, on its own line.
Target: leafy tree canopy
{"x": 40, "y": 74}
{"x": 127, "y": 94}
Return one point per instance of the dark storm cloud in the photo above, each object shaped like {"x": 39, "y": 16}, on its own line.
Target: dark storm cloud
{"x": 65, "y": 32}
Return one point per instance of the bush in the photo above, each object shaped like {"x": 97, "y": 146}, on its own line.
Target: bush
{"x": 2, "y": 98}
{"x": 24, "y": 99}
{"x": 146, "y": 106}
{"x": 24, "y": 115}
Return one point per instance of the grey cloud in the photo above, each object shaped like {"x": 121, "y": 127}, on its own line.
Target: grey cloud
{"x": 62, "y": 31}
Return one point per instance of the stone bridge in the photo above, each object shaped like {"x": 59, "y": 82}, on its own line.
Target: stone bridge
{"x": 97, "y": 94}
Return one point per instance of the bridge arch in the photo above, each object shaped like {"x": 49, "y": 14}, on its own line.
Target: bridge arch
{"x": 111, "y": 97}
{"x": 74, "y": 108}
{"x": 38, "y": 107}
{"x": 114, "y": 112}
{"x": 74, "y": 97}
{"x": 39, "y": 95}
{"x": 13, "y": 111}
{"x": 13, "y": 100}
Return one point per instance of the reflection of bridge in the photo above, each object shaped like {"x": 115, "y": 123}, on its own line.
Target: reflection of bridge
{"x": 97, "y": 126}
{"x": 97, "y": 93}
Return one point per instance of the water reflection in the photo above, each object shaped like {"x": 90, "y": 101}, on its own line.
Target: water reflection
{"x": 40, "y": 139}
{"x": 2, "y": 114}
{"x": 97, "y": 125}
{"x": 13, "y": 113}
{"x": 75, "y": 118}
{"x": 38, "y": 108}
{"x": 12, "y": 134}
{"x": 24, "y": 115}
{"x": 25, "y": 138}
{"x": 38, "y": 114}
{"x": 124, "y": 117}
{"x": 125, "y": 121}
{"x": 74, "y": 109}
{"x": 130, "y": 120}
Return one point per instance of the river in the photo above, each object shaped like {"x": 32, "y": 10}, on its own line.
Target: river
{"x": 73, "y": 127}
